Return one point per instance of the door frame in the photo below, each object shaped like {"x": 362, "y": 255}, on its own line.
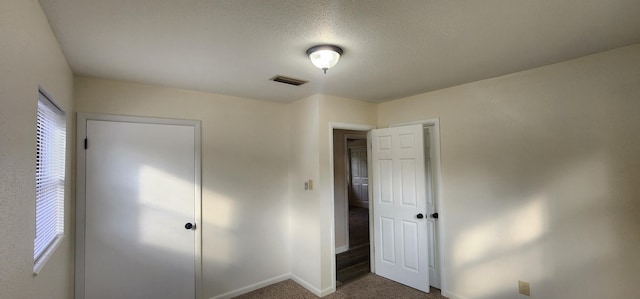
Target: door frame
{"x": 332, "y": 222}
{"x": 437, "y": 184}
{"x": 81, "y": 133}
{"x": 347, "y": 171}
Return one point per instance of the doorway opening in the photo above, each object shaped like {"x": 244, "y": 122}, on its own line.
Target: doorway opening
{"x": 431, "y": 137}
{"x": 351, "y": 192}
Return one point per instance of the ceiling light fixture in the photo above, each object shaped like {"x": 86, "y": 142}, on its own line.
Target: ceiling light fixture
{"x": 324, "y": 56}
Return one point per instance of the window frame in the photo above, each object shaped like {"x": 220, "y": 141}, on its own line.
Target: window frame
{"x": 51, "y": 139}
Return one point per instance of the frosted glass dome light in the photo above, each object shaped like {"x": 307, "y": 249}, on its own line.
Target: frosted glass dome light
{"x": 324, "y": 56}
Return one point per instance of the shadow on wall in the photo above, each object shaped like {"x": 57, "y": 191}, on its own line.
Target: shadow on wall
{"x": 536, "y": 238}
{"x": 232, "y": 238}
{"x": 553, "y": 208}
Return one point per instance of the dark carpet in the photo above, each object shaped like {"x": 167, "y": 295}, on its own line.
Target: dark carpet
{"x": 354, "y": 263}
{"x": 358, "y": 226}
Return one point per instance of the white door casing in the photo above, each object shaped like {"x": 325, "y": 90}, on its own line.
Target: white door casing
{"x": 399, "y": 196}
{"x": 141, "y": 186}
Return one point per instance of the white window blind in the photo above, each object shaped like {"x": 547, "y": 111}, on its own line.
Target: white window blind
{"x": 50, "y": 175}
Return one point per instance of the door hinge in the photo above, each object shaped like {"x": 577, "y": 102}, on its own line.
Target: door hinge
{"x": 86, "y": 143}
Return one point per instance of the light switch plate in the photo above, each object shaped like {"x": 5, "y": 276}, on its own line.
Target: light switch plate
{"x": 523, "y": 288}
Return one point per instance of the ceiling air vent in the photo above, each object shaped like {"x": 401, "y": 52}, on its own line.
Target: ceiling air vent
{"x": 288, "y": 80}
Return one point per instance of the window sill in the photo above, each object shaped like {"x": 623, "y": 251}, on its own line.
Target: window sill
{"x": 39, "y": 264}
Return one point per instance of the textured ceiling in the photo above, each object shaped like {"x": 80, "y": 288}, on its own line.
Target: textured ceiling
{"x": 392, "y": 48}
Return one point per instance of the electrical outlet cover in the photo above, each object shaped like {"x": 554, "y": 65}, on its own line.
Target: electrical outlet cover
{"x": 523, "y": 288}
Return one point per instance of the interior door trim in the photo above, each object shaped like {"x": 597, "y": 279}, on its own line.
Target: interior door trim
{"x": 81, "y": 134}
{"x": 331, "y": 206}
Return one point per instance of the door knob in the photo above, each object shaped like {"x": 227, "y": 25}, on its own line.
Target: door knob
{"x": 189, "y": 225}
{"x": 420, "y": 216}
{"x": 434, "y": 215}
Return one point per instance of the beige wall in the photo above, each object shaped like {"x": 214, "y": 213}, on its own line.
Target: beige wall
{"x": 540, "y": 174}
{"x": 304, "y": 205}
{"x": 245, "y": 146}
{"x": 29, "y": 57}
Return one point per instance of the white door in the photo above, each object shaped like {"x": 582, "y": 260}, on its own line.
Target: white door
{"x": 399, "y": 207}
{"x": 359, "y": 187}
{"x": 140, "y": 194}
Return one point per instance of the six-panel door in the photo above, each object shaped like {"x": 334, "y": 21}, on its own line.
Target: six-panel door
{"x": 400, "y": 226}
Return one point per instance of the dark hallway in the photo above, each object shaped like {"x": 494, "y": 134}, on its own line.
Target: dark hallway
{"x": 354, "y": 263}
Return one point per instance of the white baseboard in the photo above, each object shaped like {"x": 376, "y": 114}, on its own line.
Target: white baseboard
{"x": 306, "y": 285}
{"x": 342, "y": 249}
{"x": 283, "y": 277}
{"x": 253, "y": 287}
{"x": 451, "y": 295}
{"x": 327, "y": 291}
